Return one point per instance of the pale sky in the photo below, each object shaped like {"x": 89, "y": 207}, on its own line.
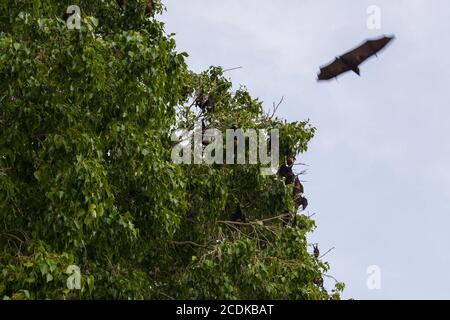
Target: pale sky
{"x": 379, "y": 167}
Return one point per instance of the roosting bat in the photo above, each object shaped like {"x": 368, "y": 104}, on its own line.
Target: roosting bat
{"x": 150, "y": 7}
{"x": 352, "y": 59}
{"x": 238, "y": 215}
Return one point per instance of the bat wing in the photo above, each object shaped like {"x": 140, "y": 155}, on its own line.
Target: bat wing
{"x": 353, "y": 58}
{"x": 332, "y": 70}
{"x": 366, "y": 50}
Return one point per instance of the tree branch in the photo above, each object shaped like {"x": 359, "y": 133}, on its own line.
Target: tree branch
{"x": 189, "y": 242}
{"x": 326, "y": 253}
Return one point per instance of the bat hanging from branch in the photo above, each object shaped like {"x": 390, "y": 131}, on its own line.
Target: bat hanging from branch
{"x": 150, "y": 7}
{"x": 352, "y": 59}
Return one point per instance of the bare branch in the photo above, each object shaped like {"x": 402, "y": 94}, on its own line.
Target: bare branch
{"x": 11, "y": 236}
{"x": 275, "y": 108}
{"x": 231, "y": 69}
{"x": 312, "y": 215}
{"x": 166, "y": 295}
{"x": 189, "y": 242}
{"x": 301, "y": 164}
{"x": 331, "y": 277}
{"x": 326, "y": 253}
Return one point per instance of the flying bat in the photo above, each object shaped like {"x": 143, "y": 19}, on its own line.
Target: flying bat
{"x": 352, "y": 59}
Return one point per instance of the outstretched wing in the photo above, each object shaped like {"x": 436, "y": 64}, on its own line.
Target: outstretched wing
{"x": 353, "y": 58}
{"x": 366, "y": 50}
{"x": 332, "y": 70}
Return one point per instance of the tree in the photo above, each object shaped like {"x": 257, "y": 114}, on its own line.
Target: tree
{"x": 87, "y": 179}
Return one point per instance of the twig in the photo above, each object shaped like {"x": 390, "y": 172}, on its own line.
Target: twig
{"x": 234, "y": 222}
{"x": 310, "y": 216}
{"x": 229, "y": 225}
{"x": 231, "y": 69}
{"x": 256, "y": 222}
{"x": 326, "y": 252}
{"x": 166, "y": 295}
{"x": 301, "y": 164}
{"x": 189, "y": 242}
{"x": 12, "y": 236}
{"x": 331, "y": 277}
{"x": 275, "y": 108}
{"x": 284, "y": 215}
{"x": 302, "y": 173}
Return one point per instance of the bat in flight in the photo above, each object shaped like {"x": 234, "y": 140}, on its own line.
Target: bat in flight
{"x": 352, "y": 59}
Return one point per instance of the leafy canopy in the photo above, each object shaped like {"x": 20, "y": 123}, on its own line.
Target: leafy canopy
{"x": 86, "y": 177}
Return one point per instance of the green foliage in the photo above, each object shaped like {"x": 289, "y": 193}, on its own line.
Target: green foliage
{"x": 86, "y": 177}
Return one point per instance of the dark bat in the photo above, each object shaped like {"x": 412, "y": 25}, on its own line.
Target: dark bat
{"x": 316, "y": 250}
{"x": 304, "y": 203}
{"x": 210, "y": 104}
{"x": 352, "y": 59}
{"x": 150, "y": 7}
{"x": 319, "y": 282}
{"x": 120, "y": 3}
{"x": 238, "y": 215}
{"x": 285, "y": 172}
{"x": 205, "y": 140}
{"x": 205, "y": 102}
{"x": 200, "y": 101}
{"x": 298, "y": 187}
{"x": 297, "y": 195}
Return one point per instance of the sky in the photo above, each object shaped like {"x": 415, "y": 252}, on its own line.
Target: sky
{"x": 378, "y": 178}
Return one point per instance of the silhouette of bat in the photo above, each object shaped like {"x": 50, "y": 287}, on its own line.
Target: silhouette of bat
{"x": 238, "y": 215}
{"x": 352, "y": 59}
{"x": 285, "y": 172}
{"x": 210, "y": 104}
{"x": 316, "y": 250}
{"x": 297, "y": 195}
{"x": 205, "y": 102}
{"x": 150, "y": 7}
{"x": 205, "y": 140}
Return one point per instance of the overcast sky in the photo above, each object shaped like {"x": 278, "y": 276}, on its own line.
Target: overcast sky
{"x": 379, "y": 175}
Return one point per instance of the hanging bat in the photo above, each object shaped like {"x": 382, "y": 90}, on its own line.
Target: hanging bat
{"x": 200, "y": 101}
{"x": 352, "y": 59}
{"x": 238, "y": 215}
{"x": 316, "y": 250}
{"x": 120, "y": 3}
{"x": 210, "y": 104}
{"x": 150, "y": 7}
{"x": 205, "y": 140}
{"x": 298, "y": 187}
{"x": 297, "y": 195}
{"x": 205, "y": 102}
{"x": 285, "y": 172}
